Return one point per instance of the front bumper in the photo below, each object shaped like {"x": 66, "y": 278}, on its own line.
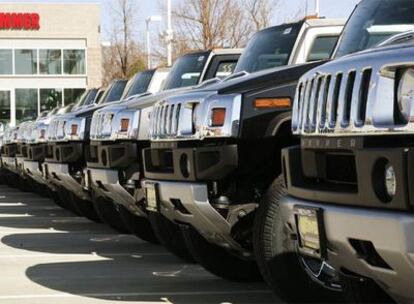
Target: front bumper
{"x": 9, "y": 163}
{"x": 35, "y": 170}
{"x": 106, "y": 183}
{"x": 189, "y": 203}
{"x": 111, "y": 155}
{"x": 67, "y": 152}
{"x": 20, "y": 165}
{"x": 59, "y": 174}
{"x": 189, "y": 164}
{"x": 389, "y": 232}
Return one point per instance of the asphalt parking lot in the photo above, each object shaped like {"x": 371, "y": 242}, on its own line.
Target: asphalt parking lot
{"x": 48, "y": 255}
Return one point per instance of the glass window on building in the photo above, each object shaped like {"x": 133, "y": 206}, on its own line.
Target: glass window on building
{"x": 6, "y": 62}
{"x": 72, "y": 95}
{"x": 26, "y": 104}
{"x": 5, "y": 107}
{"x": 25, "y": 62}
{"x": 50, "y": 98}
{"x": 50, "y": 62}
{"x": 74, "y": 62}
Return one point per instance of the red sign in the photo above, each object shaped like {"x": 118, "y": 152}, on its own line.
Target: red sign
{"x": 20, "y": 21}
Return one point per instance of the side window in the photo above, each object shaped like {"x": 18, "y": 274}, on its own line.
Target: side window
{"x": 322, "y": 48}
{"x": 225, "y": 68}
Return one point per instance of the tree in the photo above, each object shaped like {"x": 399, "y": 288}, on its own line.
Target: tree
{"x": 260, "y": 12}
{"x": 122, "y": 58}
{"x": 210, "y": 24}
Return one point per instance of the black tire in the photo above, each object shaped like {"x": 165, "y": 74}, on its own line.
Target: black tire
{"x": 108, "y": 213}
{"x": 23, "y": 184}
{"x": 55, "y": 197}
{"x": 85, "y": 208}
{"x": 363, "y": 290}
{"x": 64, "y": 196}
{"x": 12, "y": 180}
{"x": 139, "y": 226}
{"x": 276, "y": 254}
{"x": 170, "y": 236}
{"x": 219, "y": 261}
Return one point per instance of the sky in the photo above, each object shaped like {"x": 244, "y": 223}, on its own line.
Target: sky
{"x": 328, "y": 8}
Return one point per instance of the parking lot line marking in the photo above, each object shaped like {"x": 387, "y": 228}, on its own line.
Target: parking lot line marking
{"x": 133, "y": 294}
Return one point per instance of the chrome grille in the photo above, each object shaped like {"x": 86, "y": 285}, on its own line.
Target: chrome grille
{"x": 327, "y": 101}
{"x": 165, "y": 120}
{"x": 355, "y": 95}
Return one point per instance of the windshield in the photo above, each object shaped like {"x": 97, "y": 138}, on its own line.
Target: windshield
{"x": 374, "y": 21}
{"x": 114, "y": 92}
{"x": 269, "y": 48}
{"x": 186, "y": 71}
{"x": 139, "y": 84}
{"x": 86, "y": 98}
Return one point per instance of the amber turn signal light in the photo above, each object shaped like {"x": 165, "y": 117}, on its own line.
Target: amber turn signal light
{"x": 124, "y": 124}
{"x": 74, "y": 129}
{"x": 218, "y": 116}
{"x": 272, "y": 103}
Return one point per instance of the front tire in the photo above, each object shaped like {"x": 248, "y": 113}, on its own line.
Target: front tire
{"x": 85, "y": 208}
{"x": 276, "y": 254}
{"x": 139, "y": 226}
{"x": 170, "y": 236}
{"x": 108, "y": 213}
{"x": 219, "y": 260}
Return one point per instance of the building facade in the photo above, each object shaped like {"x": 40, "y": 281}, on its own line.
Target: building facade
{"x": 49, "y": 54}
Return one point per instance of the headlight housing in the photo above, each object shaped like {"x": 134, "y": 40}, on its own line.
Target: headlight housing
{"x": 115, "y": 125}
{"x": 75, "y": 129}
{"x": 405, "y": 96}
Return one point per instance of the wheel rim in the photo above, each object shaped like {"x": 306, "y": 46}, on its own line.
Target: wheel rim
{"x": 321, "y": 272}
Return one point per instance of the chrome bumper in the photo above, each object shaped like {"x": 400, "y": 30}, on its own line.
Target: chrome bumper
{"x": 106, "y": 182}
{"x": 199, "y": 213}
{"x": 391, "y": 233}
{"x": 58, "y": 174}
{"x": 32, "y": 169}
{"x": 9, "y": 163}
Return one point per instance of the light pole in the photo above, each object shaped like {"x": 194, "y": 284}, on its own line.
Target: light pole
{"x": 147, "y": 22}
{"x": 317, "y": 8}
{"x": 169, "y": 33}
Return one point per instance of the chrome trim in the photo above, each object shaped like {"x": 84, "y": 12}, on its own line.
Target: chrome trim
{"x": 188, "y": 116}
{"x": 338, "y": 99}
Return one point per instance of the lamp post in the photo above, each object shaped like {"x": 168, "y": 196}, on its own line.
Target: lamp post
{"x": 147, "y": 22}
{"x": 317, "y": 8}
{"x": 169, "y": 33}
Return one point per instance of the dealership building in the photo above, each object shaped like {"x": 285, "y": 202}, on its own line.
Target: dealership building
{"x": 49, "y": 54}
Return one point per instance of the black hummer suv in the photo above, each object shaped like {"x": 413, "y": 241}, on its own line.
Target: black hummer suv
{"x": 350, "y": 190}
{"x": 212, "y": 153}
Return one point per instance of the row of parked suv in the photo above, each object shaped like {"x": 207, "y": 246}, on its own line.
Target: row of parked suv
{"x": 291, "y": 160}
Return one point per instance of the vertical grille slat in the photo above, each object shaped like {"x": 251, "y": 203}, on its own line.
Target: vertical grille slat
{"x": 333, "y": 113}
{"x": 347, "y": 99}
{"x": 301, "y": 107}
{"x": 297, "y": 107}
{"x": 323, "y": 101}
{"x": 170, "y": 118}
{"x": 363, "y": 97}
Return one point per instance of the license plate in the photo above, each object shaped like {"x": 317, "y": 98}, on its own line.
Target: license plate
{"x": 310, "y": 232}
{"x": 152, "y": 196}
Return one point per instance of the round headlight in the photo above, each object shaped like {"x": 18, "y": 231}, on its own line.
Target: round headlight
{"x": 390, "y": 180}
{"x": 406, "y": 95}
